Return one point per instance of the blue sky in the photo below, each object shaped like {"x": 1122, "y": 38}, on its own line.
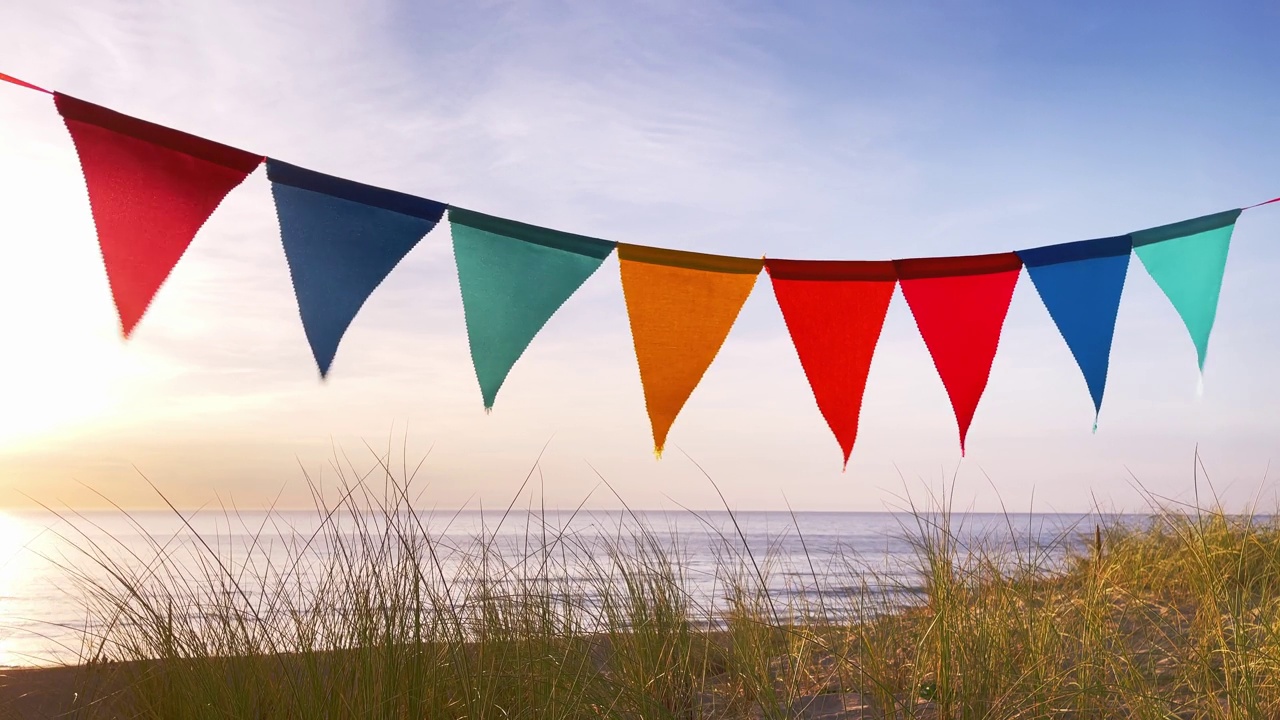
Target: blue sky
{"x": 841, "y": 130}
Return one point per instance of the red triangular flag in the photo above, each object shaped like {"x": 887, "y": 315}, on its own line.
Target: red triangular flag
{"x": 834, "y": 311}
{"x": 959, "y": 304}
{"x": 150, "y": 189}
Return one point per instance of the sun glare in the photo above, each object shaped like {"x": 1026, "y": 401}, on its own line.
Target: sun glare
{"x": 20, "y": 573}
{"x": 60, "y": 357}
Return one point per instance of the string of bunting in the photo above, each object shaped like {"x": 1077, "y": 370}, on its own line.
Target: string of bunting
{"x": 151, "y": 188}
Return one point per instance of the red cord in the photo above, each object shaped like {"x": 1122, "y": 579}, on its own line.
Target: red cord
{"x": 22, "y": 83}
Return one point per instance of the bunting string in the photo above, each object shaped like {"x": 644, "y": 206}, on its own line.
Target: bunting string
{"x": 151, "y": 188}
{"x": 23, "y": 83}
{"x": 1265, "y": 202}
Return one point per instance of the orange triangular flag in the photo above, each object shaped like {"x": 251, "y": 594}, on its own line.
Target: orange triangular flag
{"x": 681, "y": 306}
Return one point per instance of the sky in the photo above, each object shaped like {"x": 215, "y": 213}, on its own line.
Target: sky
{"x": 849, "y": 130}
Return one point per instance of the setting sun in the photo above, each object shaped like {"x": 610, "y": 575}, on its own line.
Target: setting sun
{"x": 63, "y": 366}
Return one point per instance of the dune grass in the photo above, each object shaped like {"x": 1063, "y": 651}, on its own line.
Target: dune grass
{"x": 372, "y": 615}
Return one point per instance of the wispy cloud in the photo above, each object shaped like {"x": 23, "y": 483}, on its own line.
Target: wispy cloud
{"x": 734, "y": 128}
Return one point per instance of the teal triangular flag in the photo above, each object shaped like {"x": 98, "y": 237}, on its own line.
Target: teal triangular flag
{"x": 514, "y": 277}
{"x": 1186, "y": 260}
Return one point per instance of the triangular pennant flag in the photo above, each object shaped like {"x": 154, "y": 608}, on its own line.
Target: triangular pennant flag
{"x": 1080, "y": 284}
{"x": 1187, "y": 260}
{"x": 959, "y": 304}
{"x": 151, "y": 188}
{"x": 681, "y": 306}
{"x": 514, "y": 277}
{"x": 834, "y": 311}
{"x": 341, "y": 239}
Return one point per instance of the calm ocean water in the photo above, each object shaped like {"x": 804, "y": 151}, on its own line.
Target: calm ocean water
{"x": 42, "y": 616}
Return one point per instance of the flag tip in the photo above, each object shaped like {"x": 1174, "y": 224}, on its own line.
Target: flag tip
{"x": 127, "y": 326}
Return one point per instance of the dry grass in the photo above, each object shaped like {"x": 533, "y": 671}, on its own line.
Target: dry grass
{"x": 1177, "y": 618}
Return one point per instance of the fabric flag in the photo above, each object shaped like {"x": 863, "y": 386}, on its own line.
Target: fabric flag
{"x": 1187, "y": 260}
{"x": 1080, "y": 284}
{"x": 151, "y": 188}
{"x": 959, "y": 304}
{"x": 341, "y": 239}
{"x": 834, "y": 311}
{"x": 514, "y": 277}
{"x": 681, "y": 306}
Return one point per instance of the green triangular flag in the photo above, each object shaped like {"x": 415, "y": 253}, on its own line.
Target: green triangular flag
{"x": 514, "y": 277}
{"x": 1186, "y": 260}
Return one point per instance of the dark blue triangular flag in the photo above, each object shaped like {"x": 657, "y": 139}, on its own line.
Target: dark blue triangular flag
{"x": 341, "y": 239}
{"x": 1080, "y": 284}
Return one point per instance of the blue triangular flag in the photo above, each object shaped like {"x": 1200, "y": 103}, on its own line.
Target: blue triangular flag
{"x": 341, "y": 239}
{"x": 1080, "y": 284}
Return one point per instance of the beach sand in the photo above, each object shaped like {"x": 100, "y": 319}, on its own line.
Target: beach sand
{"x": 50, "y": 692}
{"x": 59, "y": 692}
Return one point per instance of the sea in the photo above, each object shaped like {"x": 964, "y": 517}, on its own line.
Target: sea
{"x": 46, "y": 559}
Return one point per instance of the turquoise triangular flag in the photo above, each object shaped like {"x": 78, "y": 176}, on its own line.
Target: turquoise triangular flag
{"x": 1080, "y": 284}
{"x": 341, "y": 239}
{"x": 514, "y": 277}
{"x": 1186, "y": 260}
